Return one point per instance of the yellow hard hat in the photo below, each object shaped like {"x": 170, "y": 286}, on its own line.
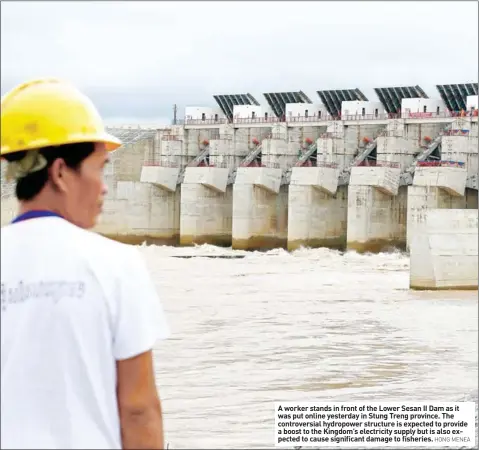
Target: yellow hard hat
{"x": 50, "y": 112}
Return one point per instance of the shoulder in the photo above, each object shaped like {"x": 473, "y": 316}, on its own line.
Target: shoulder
{"x": 114, "y": 260}
{"x": 93, "y": 243}
{"x": 124, "y": 259}
{"x": 110, "y": 261}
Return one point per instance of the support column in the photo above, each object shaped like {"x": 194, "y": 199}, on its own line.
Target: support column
{"x": 377, "y": 208}
{"x": 141, "y": 212}
{"x": 444, "y": 253}
{"x": 260, "y": 209}
{"x": 434, "y": 188}
{"x": 206, "y": 207}
{"x": 318, "y": 208}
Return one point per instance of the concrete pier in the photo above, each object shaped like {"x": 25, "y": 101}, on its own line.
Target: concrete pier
{"x": 260, "y": 201}
{"x": 433, "y": 188}
{"x": 206, "y": 207}
{"x": 363, "y": 183}
{"x": 207, "y": 196}
{"x": 260, "y": 209}
{"x": 143, "y": 201}
{"x": 444, "y": 253}
{"x": 141, "y": 212}
{"x": 377, "y": 203}
{"x": 376, "y": 209}
{"x": 318, "y": 207}
{"x": 444, "y": 186}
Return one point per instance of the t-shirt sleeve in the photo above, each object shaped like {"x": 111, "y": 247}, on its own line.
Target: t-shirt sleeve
{"x": 140, "y": 318}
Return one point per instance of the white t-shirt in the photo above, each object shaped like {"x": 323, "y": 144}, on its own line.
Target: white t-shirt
{"x": 72, "y": 303}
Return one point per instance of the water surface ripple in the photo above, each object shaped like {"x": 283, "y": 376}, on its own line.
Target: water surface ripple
{"x": 313, "y": 325}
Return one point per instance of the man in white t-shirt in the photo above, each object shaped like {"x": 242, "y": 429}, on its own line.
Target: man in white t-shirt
{"x": 79, "y": 313}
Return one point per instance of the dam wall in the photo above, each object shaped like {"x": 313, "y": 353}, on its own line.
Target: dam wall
{"x": 134, "y": 211}
{"x": 447, "y": 186}
{"x": 444, "y": 253}
{"x": 260, "y": 209}
{"x": 206, "y": 207}
{"x": 9, "y": 202}
{"x": 339, "y": 184}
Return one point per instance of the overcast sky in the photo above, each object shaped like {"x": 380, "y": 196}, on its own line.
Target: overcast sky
{"x": 137, "y": 59}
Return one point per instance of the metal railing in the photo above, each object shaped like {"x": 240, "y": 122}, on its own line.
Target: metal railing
{"x": 441, "y": 163}
{"x": 375, "y": 163}
{"x": 267, "y": 165}
{"x": 440, "y": 114}
{"x": 333, "y": 165}
{"x": 456, "y": 132}
{"x": 407, "y": 175}
{"x": 382, "y": 116}
{"x": 316, "y": 163}
{"x": 188, "y": 121}
{"x": 218, "y": 165}
{"x": 253, "y": 120}
{"x": 329, "y": 118}
{"x": 155, "y": 163}
{"x": 172, "y": 137}
{"x": 321, "y": 118}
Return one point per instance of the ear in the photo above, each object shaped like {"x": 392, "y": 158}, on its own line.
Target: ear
{"x": 59, "y": 175}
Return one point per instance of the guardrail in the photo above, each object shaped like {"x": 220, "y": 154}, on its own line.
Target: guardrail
{"x": 310, "y": 163}
{"x": 321, "y": 118}
{"x": 254, "y": 120}
{"x": 441, "y": 164}
{"x": 172, "y": 137}
{"x": 329, "y": 118}
{"x": 270, "y": 165}
{"x": 221, "y": 165}
{"x": 218, "y": 121}
{"x": 372, "y": 163}
{"x": 457, "y": 133}
{"x": 152, "y": 162}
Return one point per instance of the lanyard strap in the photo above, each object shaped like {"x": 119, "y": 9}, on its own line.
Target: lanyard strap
{"x": 35, "y": 214}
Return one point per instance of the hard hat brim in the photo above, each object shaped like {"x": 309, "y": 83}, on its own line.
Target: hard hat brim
{"x": 50, "y": 113}
{"x": 111, "y": 142}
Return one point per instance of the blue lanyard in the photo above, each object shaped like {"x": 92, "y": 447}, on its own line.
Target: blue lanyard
{"x": 35, "y": 214}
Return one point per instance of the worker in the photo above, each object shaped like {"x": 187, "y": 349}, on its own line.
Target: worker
{"x": 80, "y": 314}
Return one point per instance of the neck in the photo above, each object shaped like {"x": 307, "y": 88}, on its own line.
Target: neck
{"x": 40, "y": 205}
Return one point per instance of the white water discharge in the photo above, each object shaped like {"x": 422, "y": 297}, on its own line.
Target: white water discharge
{"x": 313, "y": 325}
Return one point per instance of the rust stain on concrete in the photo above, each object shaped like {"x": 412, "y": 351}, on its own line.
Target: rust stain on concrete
{"x": 377, "y": 245}
{"x": 220, "y": 240}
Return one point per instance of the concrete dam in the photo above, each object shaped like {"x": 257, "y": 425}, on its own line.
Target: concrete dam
{"x": 346, "y": 173}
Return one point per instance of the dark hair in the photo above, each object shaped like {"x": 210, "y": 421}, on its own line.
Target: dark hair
{"x": 73, "y": 154}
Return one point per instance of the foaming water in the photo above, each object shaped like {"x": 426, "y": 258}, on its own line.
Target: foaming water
{"x": 312, "y": 325}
